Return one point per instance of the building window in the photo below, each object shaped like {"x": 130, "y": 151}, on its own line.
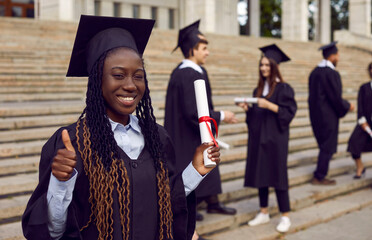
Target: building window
{"x": 2, "y": 11}
{"x": 117, "y": 9}
{"x": 17, "y": 8}
{"x": 97, "y": 8}
{"x": 171, "y": 19}
{"x": 136, "y": 11}
{"x": 154, "y": 15}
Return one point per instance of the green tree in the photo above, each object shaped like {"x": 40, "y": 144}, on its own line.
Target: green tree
{"x": 339, "y": 15}
{"x": 271, "y": 18}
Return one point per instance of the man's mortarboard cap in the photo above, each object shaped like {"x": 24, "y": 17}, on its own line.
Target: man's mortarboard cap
{"x": 188, "y": 37}
{"x": 96, "y": 35}
{"x": 274, "y": 52}
{"x": 329, "y": 49}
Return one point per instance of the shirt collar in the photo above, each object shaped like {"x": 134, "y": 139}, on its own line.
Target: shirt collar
{"x": 188, "y": 63}
{"x": 326, "y": 63}
{"x": 133, "y": 123}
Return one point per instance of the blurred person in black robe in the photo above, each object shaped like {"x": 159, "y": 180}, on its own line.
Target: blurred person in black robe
{"x": 361, "y": 138}
{"x": 93, "y": 182}
{"x": 181, "y": 117}
{"x": 268, "y": 135}
{"x": 326, "y": 107}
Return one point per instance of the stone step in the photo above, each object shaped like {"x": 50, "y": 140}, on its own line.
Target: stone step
{"x": 13, "y": 207}
{"x": 12, "y": 123}
{"x": 29, "y": 97}
{"x": 294, "y": 158}
{"x": 42, "y": 90}
{"x": 41, "y": 108}
{"x": 11, "y": 231}
{"x": 319, "y": 215}
{"x": 230, "y": 132}
{"x": 301, "y": 197}
{"x": 18, "y": 184}
{"x": 352, "y": 212}
{"x": 11, "y": 150}
{"x": 296, "y": 143}
{"x": 19, "y": 165}
{"x": 27, "y": 134}
{"x": 233, "y": 190}
{"x": 233, "y": 168}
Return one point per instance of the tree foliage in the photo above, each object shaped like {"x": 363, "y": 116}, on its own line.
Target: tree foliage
{"x": 271, "y": 18}
{"x": 339, "y": 14}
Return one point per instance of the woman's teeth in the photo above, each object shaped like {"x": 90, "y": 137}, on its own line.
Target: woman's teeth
{"x": 126, "y": 98}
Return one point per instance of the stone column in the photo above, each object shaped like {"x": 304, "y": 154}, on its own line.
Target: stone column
{"x": 145, "y": 11}
{"x": 126, "y": 10}
{"x": 66, "y": 10}
{"x": 254, "y": 18}
{"x": 360, "y": 17}
{"x": 226, "y": 17}
{"x": 294, "y": 20}
{"x": 324, "y": 11}
{"x": 163, "y": 18}
{"x": 89, "y": 6}
{"x": 107, "y": 8}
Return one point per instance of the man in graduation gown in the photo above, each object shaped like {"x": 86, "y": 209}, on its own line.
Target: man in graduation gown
{"x": 326, "y": 107}
{"x": 181, "y": 117}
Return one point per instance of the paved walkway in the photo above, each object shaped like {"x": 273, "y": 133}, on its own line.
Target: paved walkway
{"x": 356, "y": 225}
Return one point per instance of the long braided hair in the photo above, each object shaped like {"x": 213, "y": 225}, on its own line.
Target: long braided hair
{"x": 102, "y": 164}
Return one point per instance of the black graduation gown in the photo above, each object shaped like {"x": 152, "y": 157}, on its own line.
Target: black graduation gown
{"x": 143, "y": 197}
{"x": 360, "y": 141}
{"x": 268, "y": 136}
{"x": 326, "y": 106}
{"x": 181, "y": 122}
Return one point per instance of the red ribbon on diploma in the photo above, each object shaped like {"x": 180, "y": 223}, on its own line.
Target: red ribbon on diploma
{"x": 207, "y": 119}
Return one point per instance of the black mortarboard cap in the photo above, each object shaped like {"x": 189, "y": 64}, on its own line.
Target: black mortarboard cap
{"x": 96, "y": 35}
{"x": 188, "y": 37}
{"x": 274, "y": 52}
{"x": 329, "y": 49}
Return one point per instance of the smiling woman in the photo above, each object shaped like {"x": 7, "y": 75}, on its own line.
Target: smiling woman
{"x": 110, "y": 175}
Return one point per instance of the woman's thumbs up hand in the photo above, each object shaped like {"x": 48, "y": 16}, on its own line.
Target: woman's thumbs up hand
{"x": 65, "y": 161}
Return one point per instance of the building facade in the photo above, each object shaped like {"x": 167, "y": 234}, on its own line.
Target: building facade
{"x": 218, "y": 16}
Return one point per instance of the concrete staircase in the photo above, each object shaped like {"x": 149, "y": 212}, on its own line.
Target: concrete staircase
{"x": 36, "y": 99}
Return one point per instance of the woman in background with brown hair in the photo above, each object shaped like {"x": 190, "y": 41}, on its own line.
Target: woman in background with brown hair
{"x": 268, "y": 126}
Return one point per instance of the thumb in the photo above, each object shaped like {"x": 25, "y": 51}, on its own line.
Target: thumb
{"x": 67, "y": 141}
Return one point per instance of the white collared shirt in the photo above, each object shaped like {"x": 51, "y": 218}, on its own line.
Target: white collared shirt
{"x": 188, "y": 63}
{"x": 326, "y": 63}
{"x": 129, "y": 138}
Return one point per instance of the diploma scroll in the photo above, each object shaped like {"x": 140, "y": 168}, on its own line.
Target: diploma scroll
{"x": 245, "y": 100}
{"x": 203, "y": 112}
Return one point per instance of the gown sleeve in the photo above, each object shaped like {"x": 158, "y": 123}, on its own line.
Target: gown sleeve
{"x": 248, "y": 114}
{"x": 287, "y": 106}
{"x": 333, "y": 89}
{"x": 35, "y": 217}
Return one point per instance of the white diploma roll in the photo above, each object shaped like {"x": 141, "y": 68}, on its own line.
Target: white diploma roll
{"x": 203, "y": 110}
{"x": 245, "y": 100}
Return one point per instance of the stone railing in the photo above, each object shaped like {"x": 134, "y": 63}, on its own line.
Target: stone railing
{"x": 348, "y": 38}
